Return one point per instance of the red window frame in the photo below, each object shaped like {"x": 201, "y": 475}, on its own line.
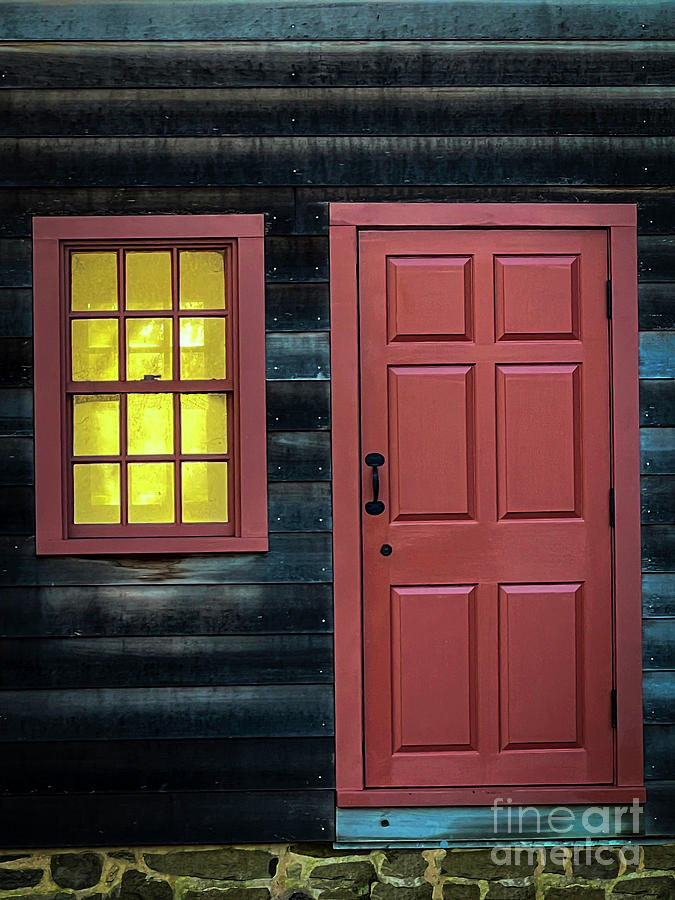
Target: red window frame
{"x": 242, "y": 238}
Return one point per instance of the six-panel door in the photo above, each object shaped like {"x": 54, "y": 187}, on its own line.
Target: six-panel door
{"x": 488, "y": 628}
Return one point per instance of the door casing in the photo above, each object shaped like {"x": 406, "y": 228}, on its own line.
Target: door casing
{"x": 619, "y": 220}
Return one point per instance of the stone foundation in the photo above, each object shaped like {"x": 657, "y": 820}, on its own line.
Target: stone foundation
{"x": 317, "y": 872}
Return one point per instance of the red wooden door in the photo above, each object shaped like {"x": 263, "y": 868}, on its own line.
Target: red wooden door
{"x": 488, "y": 628}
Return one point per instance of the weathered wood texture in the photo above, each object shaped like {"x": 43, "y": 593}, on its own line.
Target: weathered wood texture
{"x": 258, "y": 20}
{"x": 194, "y": 692}
{"x": 335, "y": 63}
{"x": 239, "y": 764}
{"x": 353, "y": 111}
{"x": 341, "y": 160}
{"x": 160, "y": 817}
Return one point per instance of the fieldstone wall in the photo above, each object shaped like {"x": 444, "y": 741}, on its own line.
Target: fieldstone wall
{"x": 317, "y": 872}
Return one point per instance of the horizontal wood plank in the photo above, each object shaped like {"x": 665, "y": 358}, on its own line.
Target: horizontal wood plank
{"x": 16, "y": 361}
{"x": 656, "y": 259}
{"x": 658, "y": 595}
{"x": 16, "y": 269}
{"x": 297, "y": 307}
{"x": 657, "y": 354}
{"x": 17, "y": 502}
{"x": 297, "y": 405}
{"x": 659, "y": 749}
{"x": 657, "y": 307}
{"x": 31, "y": 20}
{"x": 658, "y": 643}
{"x": 16, "y": 411}
{"x": 430, "y": 63}
{"x": 296, "y": 258}
{"x": 658, "y": 548}
{"x": 311, "y": 208}
{"x": 299, "y": 506}
{"x": 16, "y": 313}
{"x": 657, "y": 451}
{"x": 84, "y": 611}
{"x": 391, "y": 110}
{"x": 298, "y": 356}
{"x": 205, "y": 817}
{"x": 658, "y": 690}
{"x": 177, "y": 661}
{"x": 113, "y": 162}
{"x": 291, "y": 558}
{"x": 17, "y": 460}
{"x": 658, "y": 499}
{"x": 654, "y": 207}
{"x": 660, "y": 809}
{"x": 244, "y": 764}
{"x": 657, "y": 403}
{"x": 269, "y": 710}
{"x": 18, "y": 206}
{"x": 299, "y": 456}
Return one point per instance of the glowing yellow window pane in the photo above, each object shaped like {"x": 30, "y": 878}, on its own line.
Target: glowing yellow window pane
{"x": 202, "y": 348}
{"x": 148, "y": 280}
{"x": 150, "y": 424}
{"x": 96, "y": 424}
{"x": 96, "y": 489}
{"x": 93, "y": 281}
{"x": 150, "y": 492}
{"x": 202, "y": 279}
{"x": 148, "y": 349}
{"x": 203, "y": 419}
{"x": 94, "y": 350}
{"x": 204, "y": 491}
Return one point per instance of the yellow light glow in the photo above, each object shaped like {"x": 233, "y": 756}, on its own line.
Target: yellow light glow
{"x": 149, "y": 349}
{"x": 94, "y": 350}
{"x": 150, "y": 424}
{"x": 96, "y": 424}
{"x": 148, "y": 279}
{"x": 204, "y": 491}
{"x": 202, "y": 279}
{"x": 96, "y": 489}
{"x": 202, "y": 348}
{"x": 93, "y": 281}
{"x": 151, "y": 496}
{"x": 203, "y": 423}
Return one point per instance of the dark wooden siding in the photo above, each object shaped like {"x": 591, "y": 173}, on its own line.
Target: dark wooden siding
{"x": 189, "y": 699}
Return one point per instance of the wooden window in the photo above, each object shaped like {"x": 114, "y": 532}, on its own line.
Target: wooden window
{"x": 149, "y": 384}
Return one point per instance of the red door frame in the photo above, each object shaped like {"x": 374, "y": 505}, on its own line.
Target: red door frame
{"x": 620, "y": 222}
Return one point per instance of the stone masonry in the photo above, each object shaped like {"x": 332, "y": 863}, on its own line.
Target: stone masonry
{"x": 318, "y": 872}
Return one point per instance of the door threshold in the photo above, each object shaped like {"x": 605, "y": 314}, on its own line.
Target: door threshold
{"x": 444, "y": 826}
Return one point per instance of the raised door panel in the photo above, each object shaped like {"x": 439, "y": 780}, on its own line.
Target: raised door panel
{"x": 540, "y": 665}
{"x": 538, "y": 441}
{"x": 432, "y": 445}
{"x": 537, "y": 297}
{"x": 429, "y": 298}
{"x": 433, "y": 659}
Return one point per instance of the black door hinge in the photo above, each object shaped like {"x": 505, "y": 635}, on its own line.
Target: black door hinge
{"x": 609, "y": 299}
{"x": 612, "y": 700}
{"x": 611, "y": 508}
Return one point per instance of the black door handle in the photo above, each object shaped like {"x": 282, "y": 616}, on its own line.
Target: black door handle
{"x": 375, "y": 507}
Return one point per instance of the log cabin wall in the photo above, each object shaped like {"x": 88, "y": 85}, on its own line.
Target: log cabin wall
{"x": 189, "y": 699}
